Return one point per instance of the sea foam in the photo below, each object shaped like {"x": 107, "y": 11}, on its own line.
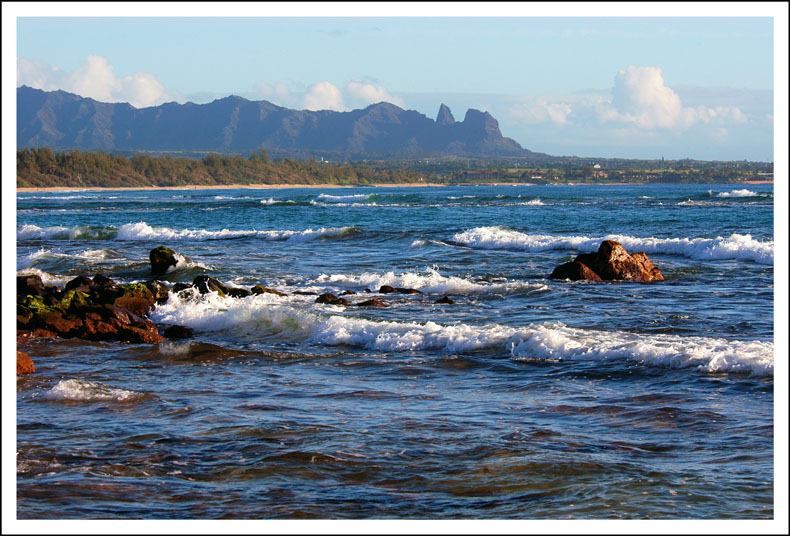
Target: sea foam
{"x": 262, "y": 315}
{"x": 144, "y": 231}
{"x": 735, "y": 246}
{"x": 86, "y": 391}
{"x": 429, "y": 282}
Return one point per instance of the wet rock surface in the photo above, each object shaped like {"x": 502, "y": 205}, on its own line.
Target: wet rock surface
{"x": 610, "y": 263}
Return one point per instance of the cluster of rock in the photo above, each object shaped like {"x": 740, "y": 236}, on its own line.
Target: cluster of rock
{"x": 610, "y": 263}
{"x": 99, "y": 309}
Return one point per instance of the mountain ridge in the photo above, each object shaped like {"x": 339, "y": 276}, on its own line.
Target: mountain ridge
{"x": 233, "y": 124}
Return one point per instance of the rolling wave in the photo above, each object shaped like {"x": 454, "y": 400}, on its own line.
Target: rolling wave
{"x": 736, "y": 246}
{"x": 143, "y": 231}
{"x": 264, "y": 315}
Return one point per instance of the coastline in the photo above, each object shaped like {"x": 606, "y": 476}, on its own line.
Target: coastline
{"x": 282, "y": 186}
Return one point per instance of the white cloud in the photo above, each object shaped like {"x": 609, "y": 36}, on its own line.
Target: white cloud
{"x": 641, "y": 97}
{"x": 323, "y": 96}
{"x": 95, "y": 79}
{"x": 365, "y": 94}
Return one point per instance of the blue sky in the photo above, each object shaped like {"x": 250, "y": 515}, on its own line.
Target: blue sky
{"x": 633, "y": 87}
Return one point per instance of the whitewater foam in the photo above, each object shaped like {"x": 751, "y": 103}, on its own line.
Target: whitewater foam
{"x": 736, "y": 246}
{"x": 429, "y": 282}
{"x": 46, "y": 278}
{"x": 549, "y": 341}
{"x": 343, "y": 198}
{"x": 738, "y": 193}
{"x": 144, "y": 231}
{"x": 86, "y": 391}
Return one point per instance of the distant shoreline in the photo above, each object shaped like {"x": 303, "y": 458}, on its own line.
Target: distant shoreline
{"x": 281, "y": 186}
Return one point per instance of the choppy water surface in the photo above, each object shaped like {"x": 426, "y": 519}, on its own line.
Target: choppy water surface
{"x": 528, "y": 398}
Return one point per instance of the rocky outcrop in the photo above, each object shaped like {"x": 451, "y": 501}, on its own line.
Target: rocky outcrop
{"x": 92, "y": 309}
{"x": 24, "y": 365}
{"x": 162, "y": 258}
{"x": 610, "y": 263}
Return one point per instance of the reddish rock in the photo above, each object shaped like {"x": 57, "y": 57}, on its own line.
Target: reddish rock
{"x": 373, "y": 302}
{"x": 138, "y": 335}
{"x": 35, "y": 333}
{"x": 446, "y": 299}
{"x": 24, "y": 365}
{"x": 574, "y": 271}
{"x": 610, "y": 263}
{"x": 65, "y": 326}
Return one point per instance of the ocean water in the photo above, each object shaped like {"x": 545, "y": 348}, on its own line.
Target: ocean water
{"x": 528, "y": 398}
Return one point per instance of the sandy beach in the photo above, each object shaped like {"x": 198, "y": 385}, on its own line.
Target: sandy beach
{"x": 280, "y": 186}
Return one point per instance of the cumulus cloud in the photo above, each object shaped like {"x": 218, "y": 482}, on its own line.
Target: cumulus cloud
{"x": 323, "y": 96}
{"x": 365, "y": 94}
{"x": 96, "y": 79}
{"x": 641, "y": 97}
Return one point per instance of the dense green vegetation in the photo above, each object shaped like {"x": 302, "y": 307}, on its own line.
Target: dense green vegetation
{"x": 42, "y": 167}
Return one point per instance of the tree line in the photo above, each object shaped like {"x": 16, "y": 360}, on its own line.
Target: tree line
{"x": 42, "y": 167}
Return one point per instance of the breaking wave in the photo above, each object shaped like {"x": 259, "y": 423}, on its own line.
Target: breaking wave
{"x": 144, "y": 231}
{"x": 735, "y": 246}
{"x": 429, "y": 282}
{"x": 263, "y": 315}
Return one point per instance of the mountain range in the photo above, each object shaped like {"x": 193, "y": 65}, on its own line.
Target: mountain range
{"x": 62, "y": 120}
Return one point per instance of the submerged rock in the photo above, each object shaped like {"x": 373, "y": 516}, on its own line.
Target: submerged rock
{"x": 386, "y": 289}
{"x": 610, "y": 263}
{"x": 260, "y": 289}
{"x": 373, "y": 302}
{"x": 331, "y": 299}
{"x": 446, "y": 299}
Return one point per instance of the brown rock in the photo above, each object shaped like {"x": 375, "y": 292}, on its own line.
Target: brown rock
{"x": 80, "y": 283}
{"x": 446, "y": 299}
{"x": 574, "y": 271}
{"x": 29, "y": 285}
{"x": 178, "y": 332}
{"x": 331, "y": 299}
{"x": 610, "y": 263}
{"x": 138, "y": 335}
{"x": 24, "y": 365}
{"x": 160, "y": 291}
{"x": 386, "y": 289}
{"x": 162, "y": 258}
{"x": 373, "y": 302}
{"x": 67, "y": 326}
{"x": 260, "y": 289}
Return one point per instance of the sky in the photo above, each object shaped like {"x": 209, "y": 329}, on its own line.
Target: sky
{"x": 641, "y": 86}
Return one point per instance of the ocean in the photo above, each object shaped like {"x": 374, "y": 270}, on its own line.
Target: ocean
{"x": 527, "y": 398}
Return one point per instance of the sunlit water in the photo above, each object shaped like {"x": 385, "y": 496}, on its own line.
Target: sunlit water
{"x": 527, "y": 398}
